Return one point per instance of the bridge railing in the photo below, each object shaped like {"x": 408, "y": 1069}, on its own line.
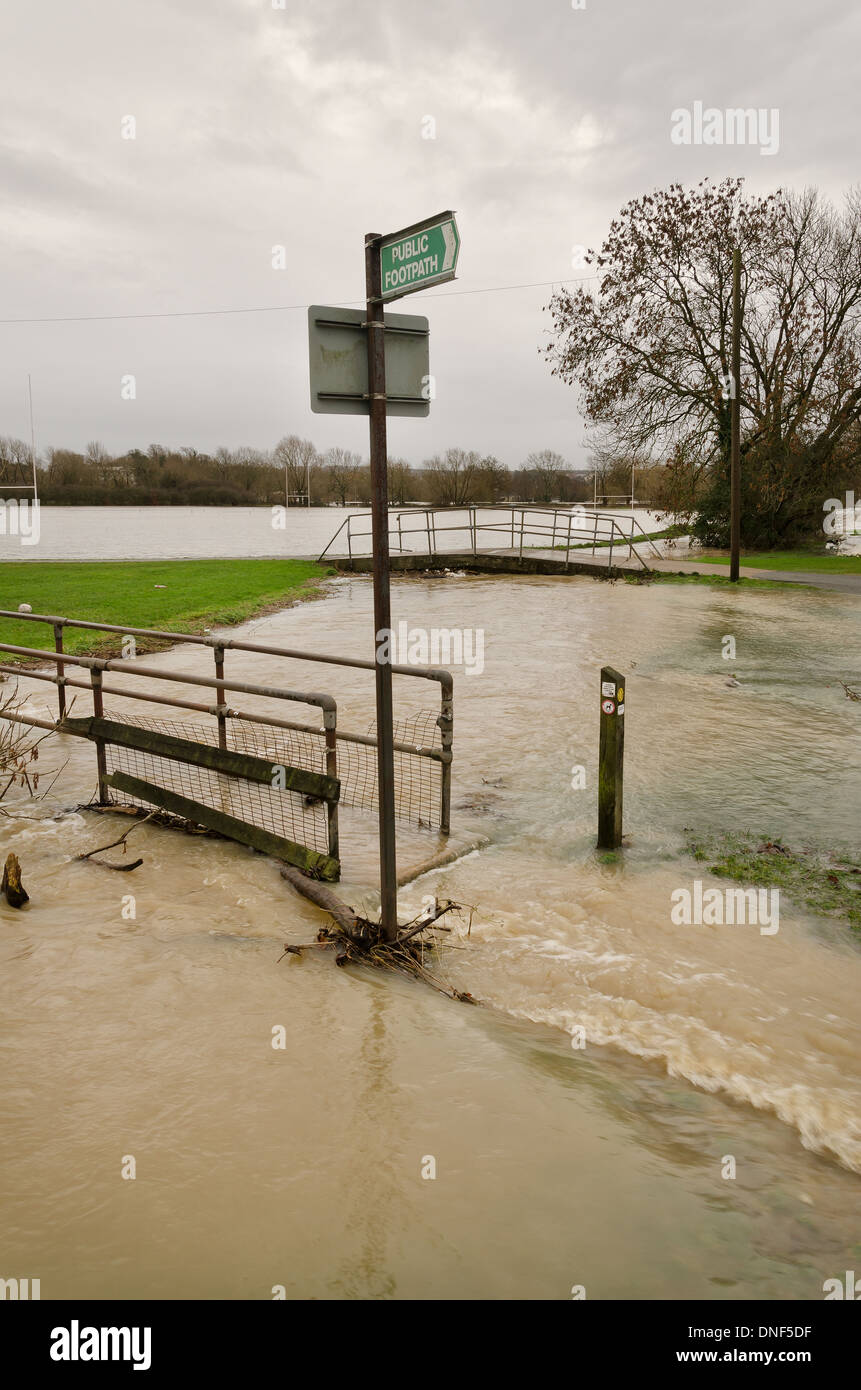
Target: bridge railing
{"x": 418, "y": 530}
{"x": 424, "y": 796}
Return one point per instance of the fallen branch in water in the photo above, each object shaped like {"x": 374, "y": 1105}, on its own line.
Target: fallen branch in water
{"x": 357, "y": 940}
{"x": 120, "y": 868}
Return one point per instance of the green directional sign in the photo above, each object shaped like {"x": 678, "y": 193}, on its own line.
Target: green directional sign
{"x": 418, "y": 256}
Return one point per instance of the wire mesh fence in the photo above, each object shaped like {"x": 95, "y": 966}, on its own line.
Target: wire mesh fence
{"x": 417, "y": 777}
{"x": 281, "y": 811}
{"x": 217, "y": 773}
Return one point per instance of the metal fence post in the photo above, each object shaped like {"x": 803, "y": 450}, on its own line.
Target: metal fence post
{"x": 99, "y": 712}
{"x": 446, "y": 728}
{"x": 61, "y": 680}
{"x": 330, "y": 721}
{"x": 218, "y": 652}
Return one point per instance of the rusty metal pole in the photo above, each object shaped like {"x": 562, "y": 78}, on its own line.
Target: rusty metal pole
{"x": 218, "y": 653}
{"x": 99, "y": 713}
{"x": 382, "y": 596}
{"x": 61, "y": 669}
{"x": 735, "y": 421}
{"x": 330, "y": 724}
{"x": 446, "y": 728}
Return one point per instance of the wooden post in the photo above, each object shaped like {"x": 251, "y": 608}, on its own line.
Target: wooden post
{"x": 735, "y": 421}
{"x": 610, "y": 758}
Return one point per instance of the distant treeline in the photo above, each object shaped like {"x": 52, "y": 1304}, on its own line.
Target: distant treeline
{"x": 162, "y": 476}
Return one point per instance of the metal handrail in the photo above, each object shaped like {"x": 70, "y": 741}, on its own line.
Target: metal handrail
{"x": 220, "y": 683}
{"x": 635, "y": 523}
{"x": 605, "y": 528}
{"x": 98, "y": 665}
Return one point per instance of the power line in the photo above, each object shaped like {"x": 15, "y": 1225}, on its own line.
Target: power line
{"x": 283, "y": 308}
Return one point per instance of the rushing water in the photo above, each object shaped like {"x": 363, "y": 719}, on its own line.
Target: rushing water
{"x": 555, "y": 1166}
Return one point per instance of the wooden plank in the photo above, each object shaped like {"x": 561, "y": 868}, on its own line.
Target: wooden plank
{"x": 318, "y": 865}
{"x": 232, "y": 764}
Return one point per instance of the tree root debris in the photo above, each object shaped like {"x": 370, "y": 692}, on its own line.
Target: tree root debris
{"x": 358, "y": 940}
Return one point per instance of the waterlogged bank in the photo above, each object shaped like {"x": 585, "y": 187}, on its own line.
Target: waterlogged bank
{"x": 556, "y": 1165}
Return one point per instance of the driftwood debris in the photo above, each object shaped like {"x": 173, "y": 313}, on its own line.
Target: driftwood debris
{"x": 120, "y": 868}
{"x": 359, "y": 940}
{"x": 11, "y": 886}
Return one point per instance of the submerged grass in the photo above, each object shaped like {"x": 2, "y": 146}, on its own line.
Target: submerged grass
{"x": 826, "y": 883}
{"x": 715, "y": 581}
{"x": 817, "y": 562}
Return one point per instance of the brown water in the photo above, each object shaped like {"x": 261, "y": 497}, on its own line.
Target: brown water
{"x": 555, "y": 1166}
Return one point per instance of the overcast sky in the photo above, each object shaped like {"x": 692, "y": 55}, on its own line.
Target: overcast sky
{"x": 302, "y": 126}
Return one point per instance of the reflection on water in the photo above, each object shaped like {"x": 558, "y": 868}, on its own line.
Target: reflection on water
{"x": 555, "y": 1166}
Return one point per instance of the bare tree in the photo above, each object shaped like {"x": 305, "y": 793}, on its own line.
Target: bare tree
{"x": 342, "y": 468}
{"x": 297, "y": 456}
{"x": 16, "y": 466}
{"x": 547, "y": 468}
{"x": 453, "y": 477}
{"x": 649, "y": 349}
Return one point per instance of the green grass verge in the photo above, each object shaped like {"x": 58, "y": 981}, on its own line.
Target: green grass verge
{"x": 715, "y": 581}
{"x": 829, "y": 884}
{"x": 790, "y": 560}
{"x": 195, "y": 594}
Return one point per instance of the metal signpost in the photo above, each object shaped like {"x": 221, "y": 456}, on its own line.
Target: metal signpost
{"x": 395, "y": 264}
{"x": 735, "y": 421}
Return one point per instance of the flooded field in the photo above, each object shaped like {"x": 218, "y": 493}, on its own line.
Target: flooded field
{"x": 556, "y": 1166}
{"x": 183, "y": 533}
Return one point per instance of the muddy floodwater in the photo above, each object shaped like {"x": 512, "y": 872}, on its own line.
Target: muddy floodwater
{"x": 555, "y": 1165}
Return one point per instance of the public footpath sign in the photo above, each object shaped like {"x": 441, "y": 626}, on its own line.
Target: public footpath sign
{"x": 418, "y": 256}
